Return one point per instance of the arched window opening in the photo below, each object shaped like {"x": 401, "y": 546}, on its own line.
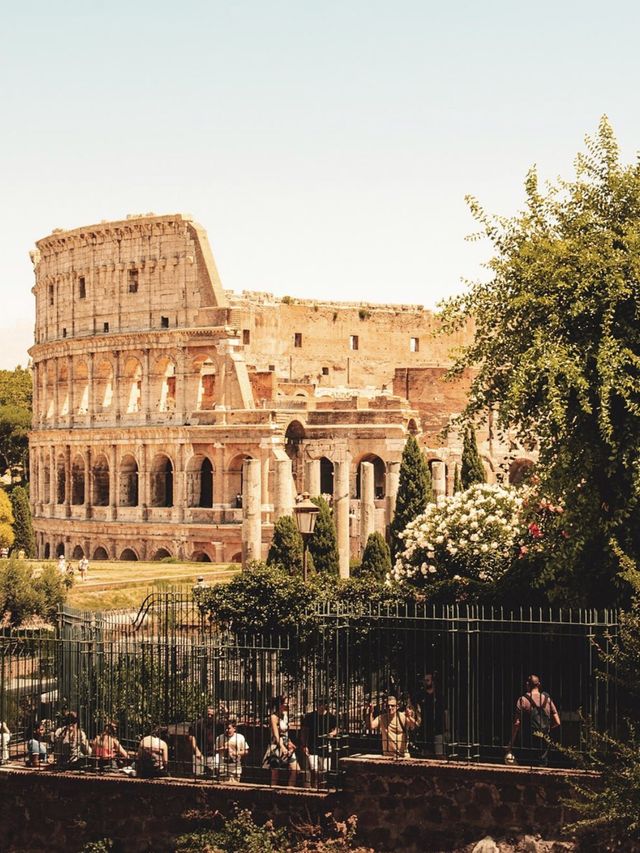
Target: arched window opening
{"x": 132, "y": 376}
{"x": 77, "y": 481}
{"x": 101, "y": 481}
{"x": 200, "y": 482}
{"x": 63, "y": 390}
{"x": 47, "y": 484}
{"x": 78, "y": 552}
{"x": 379, "y": 476}
{"x": 60, "y": 549}
{"x": 100, "y": 553}
{"x": 129, "y": 555}
{"x": 61, "y": 480}
{"x": 167, "y": 402}
{"x": 235, "y": 480}
{"x": 81, "y": 384}
{"x": 326, "y": 476}
{"x": 207, "y": 386}
{"x": 162, "y": 481}
{"x": 200, "y": 557}
{"x": 161, "y": 554}
{"x": 103, "y": 386}
{"x": 47, "y": 551}
{"x": 128, "y": 481}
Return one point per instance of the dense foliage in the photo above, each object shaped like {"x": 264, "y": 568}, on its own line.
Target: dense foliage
{"x": 286, "y": 546}
{"x": 15, "y": 419}
{"x": 471, "y": 468}
{"x": 7, "y": 535}
{"x": 414, "y": 491}
{"x": 376, "y": 558}
{"x": 25, "y": 539}
{"x": 557, "y": 353}
{"x": 471, "y": 535}
{"x": 26, "y": 592}
{"x": 323, "y": 544}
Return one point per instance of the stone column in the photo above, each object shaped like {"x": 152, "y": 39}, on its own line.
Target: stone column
{"x": 367, "y": 502}
{"x": 393, "y": 480}
{"x": 91, "y": 397}
{"x": 56, "y": 410}
{"x": 88, "y": 486}
{"x": 71, "y": 412}
{"x": 265, "y": 453}
{"x": 438, "y": 480}
{"x": 341, "y": 500}
{"x": 114, "y": 482}
{"x": 116, "y": 396}
{"x": 146, "y": 386}
{"x": 181, "y": 390}
{"x": 180, "y": 481}
{"x": 143, "y": 480}
{"x": 251, "y": 512}
{"x": 283, "y": 489}
{"x": 53, "y": 480}
{"x": 67, "y": 480}
{"x": 312, "y": 477}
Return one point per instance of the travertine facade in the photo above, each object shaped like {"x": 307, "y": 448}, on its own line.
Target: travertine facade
{"x": 174, "y": 419}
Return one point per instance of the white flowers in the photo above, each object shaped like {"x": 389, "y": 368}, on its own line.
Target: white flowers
{"x": 471, "y": 534}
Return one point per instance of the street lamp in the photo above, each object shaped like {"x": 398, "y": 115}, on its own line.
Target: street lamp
{"x": 305, "y": 513}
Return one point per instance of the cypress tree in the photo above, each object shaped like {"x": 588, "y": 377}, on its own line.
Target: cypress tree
{"x": 457, "y": 482}
{"x": 472, "y": 467}
{"x": 414, "y": 491}
{"x": 323, "y": 544}
{"x": 376, "y": 558}
{"x": 6, "y": 520}
{"x": 22, "y": 527}
{"x": 286, "y": 546}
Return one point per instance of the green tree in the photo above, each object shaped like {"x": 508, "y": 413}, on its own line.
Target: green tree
{"x": 376, "y": 558}
{"x": 323, "y": 544}
{"x": 472, "y": 469}
{"x": 15, "y": 423}
{"x": 457, "y": 482}
{"x": 6, "y": 520}
{"x": 16, "y": 387}
{"x": 414, "y": 491}
{"x": 286, "y": 546}
{"x": 25, "y": 539}
{"x": 557, "y": 353}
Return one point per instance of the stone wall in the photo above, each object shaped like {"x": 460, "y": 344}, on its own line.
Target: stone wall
{"x": 412, "y": 806}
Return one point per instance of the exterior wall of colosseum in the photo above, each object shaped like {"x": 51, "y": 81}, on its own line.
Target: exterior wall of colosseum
{"x": 153, "y": 387}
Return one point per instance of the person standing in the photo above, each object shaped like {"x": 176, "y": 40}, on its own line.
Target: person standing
{"x": 71, "y": 744}
{"x": 394, "y": 726}
{"x": 280, "y": 755}
{"x": 536, "y": 715}
{"x": 231, "y": 748}
{"x": 433, "y": 717}
{"x": 83, "y": 568}
{"x": 62, "y": 565}
{"x": 317, "y": 728}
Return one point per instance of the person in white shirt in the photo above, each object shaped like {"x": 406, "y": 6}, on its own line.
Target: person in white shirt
{"x": 230, "y": 748}
{"x": 5, "y": 737}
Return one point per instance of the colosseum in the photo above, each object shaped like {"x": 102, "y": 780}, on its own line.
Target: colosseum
{"x": 174, "y": 419}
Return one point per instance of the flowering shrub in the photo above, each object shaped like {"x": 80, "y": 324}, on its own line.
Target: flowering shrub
{"x": 472, "y": 534}
{"x": 541, "y": 528}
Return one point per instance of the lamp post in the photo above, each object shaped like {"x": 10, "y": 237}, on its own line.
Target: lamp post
{"x": 305, "y": 513}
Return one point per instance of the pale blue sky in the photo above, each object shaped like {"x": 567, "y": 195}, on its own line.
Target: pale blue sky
{"x": 325, "y": 146}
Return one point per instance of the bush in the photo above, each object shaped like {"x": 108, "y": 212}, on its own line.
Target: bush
{"x": 286, "y": 546}
{"x": 472, "y": 469}
{"x": 25, "y": 539}
{"x": 23, "y": 594}
{"x": 376, "y": 559}
{"x": 323, "y": 544}
{"x": 470, "y": 536}
{"x": 241, "y": 834}
{"x": 6, "y": 520}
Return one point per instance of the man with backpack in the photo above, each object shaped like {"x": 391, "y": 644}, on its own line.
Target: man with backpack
{"x": 535, "y": 716}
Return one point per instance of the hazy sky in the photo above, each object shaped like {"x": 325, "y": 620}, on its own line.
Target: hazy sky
{"x": 325, "y": 146}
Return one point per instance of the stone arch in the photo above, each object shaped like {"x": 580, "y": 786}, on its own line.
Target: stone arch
{"x": 326, "y": 476}
{"x": 100, "y": 553}
{"x": 237, "y": 558}
{"x": 50, "y": 385}
{"x": 161, "y": 474}
{"x": 63, "y": 389}
{"x": 200, "y": 557}
{"x": 46, "y": 471}
{"x": 61, "y": 479}
{"x": 81, "y": 386}
{"x": 235, "y": 475}
{"x": 412, "y": 427}
{"x": 78, "y": 552}
{"x": 200, "y": 481}
{"x": 520, "y": 470}
{"x": 132, "y": 385}
{"x": 47, "y": 551}
{"x": 60, "y": 549}
{"x": 128, "y": 481}
{"x": 78, "y": 479}
{"x": 130, "y": 555}
{"x": 204, "y": 368}
{"x": 103, "y": 385}
{"x": 100, "y": 471}
{"x": 379, "y": 475}
{"x": 163, "y": 384}
{"x": 161, "y": 554}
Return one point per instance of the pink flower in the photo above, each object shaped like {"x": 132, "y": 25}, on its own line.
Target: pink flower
{"x": 535, "y": 530}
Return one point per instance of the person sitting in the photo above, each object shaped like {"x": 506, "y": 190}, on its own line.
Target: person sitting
{"x": 71, "y": 745}
{"x": 5, "y": 737}
{"x": 152, "y": 758}
{"x": 37, "y": 747}
{"x": 231, "y": 748}
{"x": 107, "y": 749}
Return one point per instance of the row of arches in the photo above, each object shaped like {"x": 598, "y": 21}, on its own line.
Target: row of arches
{"x": 80, "y": 387}
{"x": 100, "y": 553}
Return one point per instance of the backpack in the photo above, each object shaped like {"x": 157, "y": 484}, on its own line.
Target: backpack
{"x": 540, "y": 720}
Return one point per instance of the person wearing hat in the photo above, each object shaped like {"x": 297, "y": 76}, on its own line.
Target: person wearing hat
{"x": 318, "y": 727}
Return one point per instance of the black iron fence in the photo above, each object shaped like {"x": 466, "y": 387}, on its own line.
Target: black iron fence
{"x": 425, "y": 681}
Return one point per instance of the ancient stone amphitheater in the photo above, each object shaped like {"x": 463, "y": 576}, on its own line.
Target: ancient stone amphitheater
{"x": 174, "y": 419}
